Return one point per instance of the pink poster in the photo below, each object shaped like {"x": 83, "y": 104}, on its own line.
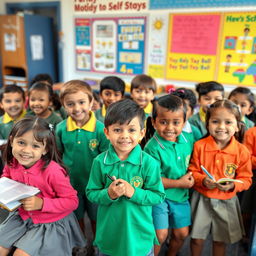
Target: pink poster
{"x": 196, "y": 34}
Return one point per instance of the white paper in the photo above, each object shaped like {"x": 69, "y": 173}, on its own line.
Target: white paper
{"x": 9, "y": 42}
{"x": 37, "y": 46}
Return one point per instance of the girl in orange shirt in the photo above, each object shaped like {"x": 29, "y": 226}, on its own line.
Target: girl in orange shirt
{"x": 215, "y": 207}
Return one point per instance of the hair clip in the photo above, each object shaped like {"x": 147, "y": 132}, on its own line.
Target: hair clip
{"x": 182, "y": 91}
{"x": 51, "y": 127}
{"x": 171, "y": 90}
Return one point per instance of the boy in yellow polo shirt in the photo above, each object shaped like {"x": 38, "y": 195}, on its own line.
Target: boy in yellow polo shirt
{"x": 80, "y": 138}
{"x": 12, "y": 102}
{"x": 143, "y": 88}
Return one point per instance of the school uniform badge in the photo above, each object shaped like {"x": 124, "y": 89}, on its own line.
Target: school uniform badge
{"x": 93, "y": 144}
{"x": 136, "y": 182}
{"x": 230, "y": 170}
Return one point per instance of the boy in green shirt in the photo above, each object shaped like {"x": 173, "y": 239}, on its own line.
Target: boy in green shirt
{"x": 12, "y": 102}
{"x": 125, "y": 182}
{"x": 80, "y": 138}
{"x": 172, "y": 149}
{"x": 111, "y": 90}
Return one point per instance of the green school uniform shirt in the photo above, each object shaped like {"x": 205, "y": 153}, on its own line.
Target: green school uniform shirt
{"x": 196, "y": 121}
{"x": 125, "y": 226}
{"x": 190, "y": 128}
{"x": 248, "y": 123}
{"x": 79, "y": 147}
{"x": 6, "y": 124}
{"x": 101, "y": 113}
{"x": 173, "y": 158}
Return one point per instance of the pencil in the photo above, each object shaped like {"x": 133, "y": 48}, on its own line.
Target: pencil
{"x": 207, "y": 173}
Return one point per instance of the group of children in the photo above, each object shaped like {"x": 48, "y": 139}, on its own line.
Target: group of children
{"x": 136, "y": 183}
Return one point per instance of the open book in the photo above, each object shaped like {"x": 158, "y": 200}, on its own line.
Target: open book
{"x": 222, "y": 180}
{"x": 12, "y": 191}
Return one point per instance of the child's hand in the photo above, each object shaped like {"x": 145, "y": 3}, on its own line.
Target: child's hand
{"x": 32, "y": 203}
{"x": 187, "y": 180}
{"x": 129, "y": 190}
{"x": 116, "y": 189}
{"x": 226, "y": 187}
{"x": 209, "y": 183}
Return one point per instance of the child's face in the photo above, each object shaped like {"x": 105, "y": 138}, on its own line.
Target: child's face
{"x": 222, "y": 126}
{"x": 209, "y": 98}
{"x": 39, "y": 102}
{"x": 241, "y": 100}
{"x": 169, "y": 124}
{"x": 78, "y": 106}
{"x": 189, "y": 110}
{"x": 13, "y": 104}
{"x": 27, "y": 150}
{"x": 125, "y": 137}
{"x": 110, "y": 96}
{"x": 142, "y": 96}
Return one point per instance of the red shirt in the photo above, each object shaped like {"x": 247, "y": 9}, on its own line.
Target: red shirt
{"x": 234, "y": 161}
{"x": 250, "y": 143}
{"x": 59, "y": 197}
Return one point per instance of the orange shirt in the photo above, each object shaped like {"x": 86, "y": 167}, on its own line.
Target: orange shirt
{"x": 234, "y": 161}
{"x": 250, "y": 143}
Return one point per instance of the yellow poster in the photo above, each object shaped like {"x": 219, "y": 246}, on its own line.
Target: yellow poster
{"x": 237, "y": 64}
{"x": 192, "y": 46}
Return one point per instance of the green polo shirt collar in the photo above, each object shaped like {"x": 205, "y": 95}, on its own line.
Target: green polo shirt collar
{"x": 135, "y": 156}
{"x": 165, "y": 143}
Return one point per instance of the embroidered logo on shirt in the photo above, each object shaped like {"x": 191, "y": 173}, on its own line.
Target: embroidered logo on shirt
{"x": 93, "y": 144}
{"x": 136, "y": 182}
{"x": 230, "y": 170}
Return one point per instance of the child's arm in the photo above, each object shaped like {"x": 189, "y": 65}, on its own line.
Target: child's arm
{"x": 58, "y": 138}
{"x": 186, "y": 181}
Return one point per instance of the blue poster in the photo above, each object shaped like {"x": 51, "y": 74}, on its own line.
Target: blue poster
{"x": 131, "y": 45}
{"x": 166, "y": 4}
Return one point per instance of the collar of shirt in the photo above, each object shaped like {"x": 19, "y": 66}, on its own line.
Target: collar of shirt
{"x": 7, "y": 119}
{"x": 149, "y": 108}
{"x": 202, "y": 114}
{"x": 89, "y": 126}
{"x": 135, "y": 156}
{"x": 103, "y": 110}
{"x": 231, "y": 148}
{"x": 187, "y": 127}
{"x": 34, "y": 169}
{"x": 166, "y": 143}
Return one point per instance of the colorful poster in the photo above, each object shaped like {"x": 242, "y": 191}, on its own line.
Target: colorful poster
{"x": 104, "y": 52}
{"x": 158, "y": 30}
{"x": 192, "y": 46}
{"x": 83, "y": 43}
{"x": 131, "y": 45}
{"x": 237, "y": 63}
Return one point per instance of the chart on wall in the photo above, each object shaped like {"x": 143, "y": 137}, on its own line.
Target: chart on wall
{"x": 158, "y": 30}
{"x": 238, "y": 49}
{"x": 116, "y": 45}
{"x": 192, "y": 46}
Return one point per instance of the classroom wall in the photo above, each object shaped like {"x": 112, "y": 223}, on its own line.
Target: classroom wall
{"x": 68, "y": 36}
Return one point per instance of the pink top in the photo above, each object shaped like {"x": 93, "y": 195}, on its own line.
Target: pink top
{"x": 59, "y": 197}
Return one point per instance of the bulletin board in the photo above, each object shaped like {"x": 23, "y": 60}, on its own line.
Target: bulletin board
{"x": 192, "y": 46}
{"x": 237, "y": 64}
{"x": 111, "y": 45}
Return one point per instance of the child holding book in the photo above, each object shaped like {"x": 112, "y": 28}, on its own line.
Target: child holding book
{"x": 215, "y": 206}
{"x": 45, "y": 223}
{"x": 125, "y": 183}
{"x": 143, "y": 88}
{"x": 80, "y": 138}
{"x": 208, "y": 93}
{"x": 111, "y": 90}
{"x": 40, "y": 101}
{"x": 172, "y": 149}
{"x": 244, "y": 98}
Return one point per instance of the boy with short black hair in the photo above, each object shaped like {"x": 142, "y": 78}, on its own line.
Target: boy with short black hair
{"x": 143, "y": 88}
{"x": 111, "y": 90}
{"x": 12, "y": 102}
{"x": 125, "y": 182}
